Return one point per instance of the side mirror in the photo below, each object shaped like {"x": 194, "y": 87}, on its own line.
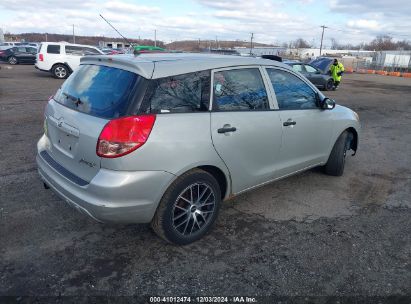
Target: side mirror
{"x": 327, "y": 104}
{"x": 317, "y": 72}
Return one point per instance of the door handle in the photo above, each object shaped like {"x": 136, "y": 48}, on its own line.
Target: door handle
{"x": 289, "y": 122}
{"x": 226, "y": 129}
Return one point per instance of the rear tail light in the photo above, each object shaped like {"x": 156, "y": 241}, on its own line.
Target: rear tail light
{"x": 41, "y": 58}
{"x": 124, "y": 135}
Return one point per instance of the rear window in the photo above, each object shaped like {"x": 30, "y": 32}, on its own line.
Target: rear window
{"x": 53, "y": 49}
{"x": 184, "y": 93}
{"x": 100, "y": 91}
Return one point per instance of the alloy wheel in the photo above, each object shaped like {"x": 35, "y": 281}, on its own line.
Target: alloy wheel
{"x": 193, "y": 209}
{"x": 60, "y": 72}
{"x": 12, "y": 60}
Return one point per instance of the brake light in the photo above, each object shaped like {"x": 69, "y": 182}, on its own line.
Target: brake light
{"x": 41, "y": 58}
{"x": 124, "y": 135}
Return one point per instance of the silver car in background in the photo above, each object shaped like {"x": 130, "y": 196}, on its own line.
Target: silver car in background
{"x": 165, "y": 138}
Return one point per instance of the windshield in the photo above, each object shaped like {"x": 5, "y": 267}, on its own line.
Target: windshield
{"x": 100, "y": 91}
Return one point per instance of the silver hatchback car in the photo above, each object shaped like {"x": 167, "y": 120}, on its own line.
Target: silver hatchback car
{"x": 165, "y": 138}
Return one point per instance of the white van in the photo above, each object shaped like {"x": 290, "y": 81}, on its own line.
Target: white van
{"x": 61, "y": 58}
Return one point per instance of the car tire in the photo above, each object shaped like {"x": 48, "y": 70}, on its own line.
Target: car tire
{"x": 336, "y": 161}
{"x": 60, "y": 71}
{"x": 329, "y": 85}
{"x": 12, "y": 60}
{"x": 188, "y": 209}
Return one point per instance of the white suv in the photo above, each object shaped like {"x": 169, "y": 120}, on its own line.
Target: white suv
{"x": 61, "y": 59}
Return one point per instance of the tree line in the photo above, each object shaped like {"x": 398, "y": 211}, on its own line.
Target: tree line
{"x": 380, "y": 43}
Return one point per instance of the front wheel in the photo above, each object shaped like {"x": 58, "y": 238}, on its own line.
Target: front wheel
{"x": 329, "y": 85}
{"x": 12, "y": 60}
{"x": 188, "y": 209}
{"x": 336, "y": 162}
{"x": 60, "y": 71}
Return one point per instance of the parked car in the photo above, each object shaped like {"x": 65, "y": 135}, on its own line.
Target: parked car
{"x": 111, "y": 51}
{"x": 61, "y": 59}
{"x": 319, "y": 78}
{"x": 19, "y": 54}
{"x": 140, "y": 139}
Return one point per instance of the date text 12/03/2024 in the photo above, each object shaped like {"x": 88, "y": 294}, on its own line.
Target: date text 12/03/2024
{"x": 236, "y": 299}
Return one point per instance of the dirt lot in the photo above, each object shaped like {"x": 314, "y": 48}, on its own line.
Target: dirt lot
{"x": 310, "y": 234}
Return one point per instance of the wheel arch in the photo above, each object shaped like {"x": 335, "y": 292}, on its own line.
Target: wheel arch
{"x": 354, "y": 141}
{"x": 219, "y": 175}
{"x": 223, "y": 178}
{"x": 62, "y": 63}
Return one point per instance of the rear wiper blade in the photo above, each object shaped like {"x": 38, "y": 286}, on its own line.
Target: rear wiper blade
{"x": 76, "y": 100}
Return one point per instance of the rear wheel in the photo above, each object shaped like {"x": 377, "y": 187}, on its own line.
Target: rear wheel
{"x": 188, "y": 209}
{"x": 60, "y": 71}
{"x": 12, "y": 60}
{"x": 329, "y": 85}
{"x": 336, "y": 161}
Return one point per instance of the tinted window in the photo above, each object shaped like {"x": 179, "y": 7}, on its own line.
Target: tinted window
{"x": 181, "y": 93}
{"x": 74, "y": 50}
{"x": 297, "y": 68}
{"x": 53, "y": 49}
{"x": 242, "y": 89}
{"x": 31, "y": 50}
{"x": 100, "y": 91}
{"x": 291, "y": 92}
{"x": 90, "y": 51}
{"x": 80, "y": 50}
{"x": 310, "y": 69}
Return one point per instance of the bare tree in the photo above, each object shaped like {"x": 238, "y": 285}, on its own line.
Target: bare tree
{"x": 300, "y": 43}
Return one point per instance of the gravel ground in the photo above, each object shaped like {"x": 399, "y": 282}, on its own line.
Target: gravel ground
{"x": 309, "y": 235}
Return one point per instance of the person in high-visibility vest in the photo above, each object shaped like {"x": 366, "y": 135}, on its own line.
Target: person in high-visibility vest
{"x": 336, "y": 70}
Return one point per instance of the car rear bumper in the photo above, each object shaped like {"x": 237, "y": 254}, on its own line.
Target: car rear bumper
{"x": 111, "y": 196}
{"x": 35, "y": 65}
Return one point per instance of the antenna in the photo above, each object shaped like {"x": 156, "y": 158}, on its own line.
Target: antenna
{"x": 116, "y": 30}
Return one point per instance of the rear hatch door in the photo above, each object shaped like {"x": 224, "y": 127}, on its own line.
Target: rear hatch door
{"x": 78, "y": 112}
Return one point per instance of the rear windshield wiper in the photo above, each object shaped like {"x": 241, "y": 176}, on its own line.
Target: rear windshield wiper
{"x": 76, "y": 100}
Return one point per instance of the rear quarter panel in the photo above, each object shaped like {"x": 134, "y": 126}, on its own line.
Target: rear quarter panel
{"x": 177, "y": 143}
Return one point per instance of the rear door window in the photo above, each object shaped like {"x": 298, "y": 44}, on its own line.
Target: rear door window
{"x": 239, "y": 90}
{"x": 101, "y": 91}
{"x": 74, "y": 50}
{"x": 53, "y": 49}
{"x": 178, "y": 94}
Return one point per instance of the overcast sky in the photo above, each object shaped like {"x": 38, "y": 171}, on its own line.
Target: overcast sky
{"x": 271, "y": 21}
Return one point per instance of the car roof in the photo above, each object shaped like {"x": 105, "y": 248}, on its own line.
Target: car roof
{"x": 69, "y": 44}
{"x": 158, "y": 65}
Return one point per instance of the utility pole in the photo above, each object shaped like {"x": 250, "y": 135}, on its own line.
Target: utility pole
{"x": 216, "y": 42}
{"x": 74, "y": 37}
{"x": 155, "y": 37}
{"x": 322, "y": 37}
{"x": 46, "y": 37}
{"x": 251, "y": 43}
{"x": 198, "y": 43}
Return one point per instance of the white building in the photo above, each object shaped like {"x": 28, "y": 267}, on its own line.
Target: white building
{"x": 313, "y": 53}
{"x": 393, "y": 59}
